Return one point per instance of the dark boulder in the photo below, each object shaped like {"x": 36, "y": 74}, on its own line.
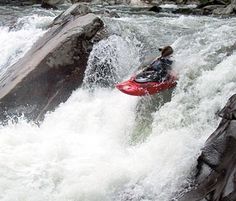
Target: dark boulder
{"x": 103, "y": 2}
{"x": 230, "y": 9}
{"x": 50, "y": 70}
{"x": 44, "y": 3}
{"x": 156, "y": 9}
{"x": 210, "y": 9}
{"x": 48, "y": 6}
{"x": 187, "y": 11}
{"x": 204, "y": 3}
{"x": 19, "y": 2}
{"x": 229, "y": 111}
{"x": 218, "y": 7}
{"x": 218, "y": 157}
{"x": 53, "y": 2}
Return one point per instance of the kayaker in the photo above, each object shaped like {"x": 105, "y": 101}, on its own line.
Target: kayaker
{"x": 161, "y": 65}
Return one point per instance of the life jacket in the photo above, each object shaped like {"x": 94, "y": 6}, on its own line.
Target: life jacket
{"x": 161, "y": 66}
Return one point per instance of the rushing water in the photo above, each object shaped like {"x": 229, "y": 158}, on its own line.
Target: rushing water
{"x": 102, "y": 145}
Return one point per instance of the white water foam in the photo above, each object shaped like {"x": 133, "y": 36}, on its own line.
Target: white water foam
{"x": 111, "y": 60}
{"x": 66, "y": 160}
{"x": 169, "y": 6}
{"x": 137, "y": 2}
{"x": 18, "y": 40}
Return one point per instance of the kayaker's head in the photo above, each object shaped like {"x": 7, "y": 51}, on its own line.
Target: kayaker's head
{"x": 166, "y": 51}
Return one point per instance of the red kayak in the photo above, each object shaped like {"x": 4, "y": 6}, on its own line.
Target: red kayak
{"x": 143, "y": 84}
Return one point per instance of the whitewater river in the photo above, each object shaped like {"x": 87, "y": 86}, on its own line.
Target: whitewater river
{"x": 102, "y": 145}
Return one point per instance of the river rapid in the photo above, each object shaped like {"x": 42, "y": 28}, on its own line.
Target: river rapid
{"x": 103, "y": 145}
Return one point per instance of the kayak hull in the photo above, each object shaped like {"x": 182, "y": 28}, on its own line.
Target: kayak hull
{"x": 131, "y": 87}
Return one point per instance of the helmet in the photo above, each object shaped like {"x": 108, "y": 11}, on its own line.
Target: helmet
{"x": 166, "y": 51}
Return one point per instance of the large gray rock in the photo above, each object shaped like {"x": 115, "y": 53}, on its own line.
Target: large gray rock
{"x": 216, "y": 177}
{"x": 230, "y": 9}
{"x": 104, "y": 2}
{"x": 74, "y": 10}
{"x": 48, "y": 4}
{"x": 51, "y": 70}
{"x": 19, "y": 2}
{"x": 53, "y": 2}
{"x": 212, "y": 9}
{"x": 226, "y": 11}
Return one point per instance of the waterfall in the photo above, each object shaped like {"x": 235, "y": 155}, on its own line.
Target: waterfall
{"x": 104, "y": 145}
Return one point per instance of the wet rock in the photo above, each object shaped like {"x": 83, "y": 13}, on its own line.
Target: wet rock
{"x": 103, "y": 2}
{"x": 70, "y": 13}
{"x": 181, "y": 1}
{"x": 219, "y": 11}
{"x": 208, "y": 10}
{"x": 216, "y": 176}
{"x": 51, "y": 70}
{"x": 229, "y": 111}
{"x": 186, "y": 11}
{"x": 230, "y": 9}
{"x": 204, "y": 3}
{"x": 48, "y": 6}
{"x": 107, "y": 13}
{"x": 100, "y": 35}
{"x": 52, "y": 4}
{"x": 220, "y": 8}
{"x": 45, "y": 3}
{"x": 19, "y": 2}
{"x": 156, "y": 9}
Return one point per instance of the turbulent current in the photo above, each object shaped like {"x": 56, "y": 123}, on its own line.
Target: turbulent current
{"x": 103, "y": 145}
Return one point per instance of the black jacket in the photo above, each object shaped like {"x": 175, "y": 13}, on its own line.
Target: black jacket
{"x": 161, "y": 66}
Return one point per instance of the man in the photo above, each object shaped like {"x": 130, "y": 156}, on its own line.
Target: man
{"x": 161, "y": 65}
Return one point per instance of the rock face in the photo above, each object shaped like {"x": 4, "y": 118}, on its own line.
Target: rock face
{"x": 217, "y": 7}
{"x": 205, "y": 7}
{"x": 19, "y": 2}
{"x": 48, "y": 4}
{"x": 219, "y": 158}
{"x": 45, "y": 3}
{"x": 156, "y": 9}
{"x": 51, "y": 70}
{"x": 70, "y": 13}
{"x": 53, "y": 2}
{"x": 231, "y": 8}
{"x": 104, "y": 2}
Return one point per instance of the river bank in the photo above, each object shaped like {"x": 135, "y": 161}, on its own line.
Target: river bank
{"x": 201, "y": 7}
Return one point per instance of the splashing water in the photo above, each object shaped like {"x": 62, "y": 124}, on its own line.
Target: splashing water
{"x": 18, "y": 39}
{"x": 83, "y": 150}
{"x": 110, "y": 61}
